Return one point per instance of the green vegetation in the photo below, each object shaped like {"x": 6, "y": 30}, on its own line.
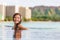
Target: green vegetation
{"x": 8, "y": 18}
{"x": 39, "y": 18}
{"x": 0, "y": 16}
{"x": 24, "y": 19}
{"x": 49, "y": 14}
{"x": 46, "y": 18}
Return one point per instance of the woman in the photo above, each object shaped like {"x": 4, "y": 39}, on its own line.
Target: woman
{"x": 17, "y": 26}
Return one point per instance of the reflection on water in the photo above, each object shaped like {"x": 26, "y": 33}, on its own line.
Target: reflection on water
{"x": 34, "y": 33}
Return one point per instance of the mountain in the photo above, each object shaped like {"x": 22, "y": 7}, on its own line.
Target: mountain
{"x": 45, "y": 10}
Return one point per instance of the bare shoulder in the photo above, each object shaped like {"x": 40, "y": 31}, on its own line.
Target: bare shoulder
{"x": 22, "y": 27}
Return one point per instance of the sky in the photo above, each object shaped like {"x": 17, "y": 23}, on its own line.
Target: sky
{"x": 31, "y": 3}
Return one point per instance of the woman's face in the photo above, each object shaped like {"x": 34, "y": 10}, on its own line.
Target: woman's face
{"x": 17, "y": 19}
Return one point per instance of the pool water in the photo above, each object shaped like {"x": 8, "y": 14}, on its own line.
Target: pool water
{"x": 37, "y": 31}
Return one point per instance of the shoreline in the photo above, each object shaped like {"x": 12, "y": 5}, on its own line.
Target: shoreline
{"x": 32, "y": 21}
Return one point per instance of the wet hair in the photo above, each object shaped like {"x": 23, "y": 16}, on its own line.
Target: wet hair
{"x": 15, "y": 15}
{"x": 17, "y": 23}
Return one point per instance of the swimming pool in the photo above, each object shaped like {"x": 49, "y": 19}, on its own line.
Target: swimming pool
{"x": 37, "y": 31}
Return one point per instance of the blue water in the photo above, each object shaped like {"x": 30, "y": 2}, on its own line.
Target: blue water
{"x": 37, "y": 31}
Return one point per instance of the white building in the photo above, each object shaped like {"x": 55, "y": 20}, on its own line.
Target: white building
{"x": 25, "y": 12}
{"x": 10, "y": 10}
{"x": 2, "y": 12}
